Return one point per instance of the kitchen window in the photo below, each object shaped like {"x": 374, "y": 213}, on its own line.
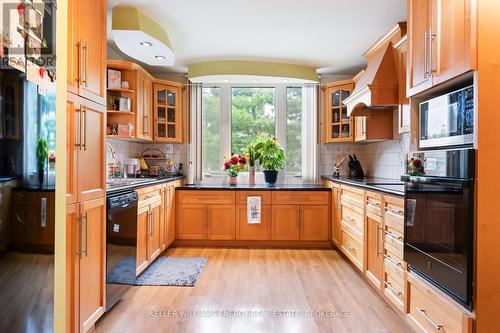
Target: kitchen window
{"x": 233, "y": 116}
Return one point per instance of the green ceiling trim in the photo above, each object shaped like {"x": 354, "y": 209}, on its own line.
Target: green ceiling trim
{"x": 257, "y": 68}
{"x": 129, "y": 18}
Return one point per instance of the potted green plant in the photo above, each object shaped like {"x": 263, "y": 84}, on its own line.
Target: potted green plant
{"x": 42, "y": 152}
{"x": 272, "y": 158}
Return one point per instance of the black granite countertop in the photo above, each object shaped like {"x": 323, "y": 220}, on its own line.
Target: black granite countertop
{"x": 385, "y": 185}
{"x": 4, "y": 179}
{"x": 137, "y": 183}
{"x": 258, "y": 187}
{"x": 35, "y": 188}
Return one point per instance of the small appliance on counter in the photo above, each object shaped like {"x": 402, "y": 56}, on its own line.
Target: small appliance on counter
{"x": 355, "y": 169}
{"x": 439, "y": 219}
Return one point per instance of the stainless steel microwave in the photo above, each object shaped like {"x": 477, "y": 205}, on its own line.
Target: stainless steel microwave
{"x": 448, "y": 120}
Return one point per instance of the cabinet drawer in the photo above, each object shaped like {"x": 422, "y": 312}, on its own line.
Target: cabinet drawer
{"x": 374, "y": 203}
{"x": 241, "y": 197}
{"x": 206, "y": 197}
{"x": 394, "y": 238}
{"x": 394, "y": 290}
{"x": 395, "y": 253}
{"x": 300, "y": 197}
{"x": 394, "y": 267}
{"x": 353, "y": 196}
{"x": 352, "y": 249}
{"x": 26, "y": 198}
{"x": 430, "y": 311}
{"x": 354, "y": 219}
{"x": 394, "y": 217}
{"x": 148, "y": 192}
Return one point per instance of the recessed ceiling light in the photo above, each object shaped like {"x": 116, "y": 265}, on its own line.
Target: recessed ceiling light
{"x": 285, "y": 81}
{"x": 147, "y": 44}
{"x": 159, "y": 57}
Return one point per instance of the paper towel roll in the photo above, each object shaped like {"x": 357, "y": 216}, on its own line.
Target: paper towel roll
{"x": 190, "y": 173}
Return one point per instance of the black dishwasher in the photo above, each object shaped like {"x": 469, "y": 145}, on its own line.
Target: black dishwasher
{"x": 121, "y": 244}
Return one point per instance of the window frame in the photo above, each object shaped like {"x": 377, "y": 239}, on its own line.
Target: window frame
{"x": 225, "y": 128}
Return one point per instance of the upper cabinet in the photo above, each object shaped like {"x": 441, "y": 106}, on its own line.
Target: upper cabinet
{"x": 441, "y": 43}
{"x": 339, "y": 127}
{"x": 167, "y": 112}
{"x": 87, "y": 49}
{"x": 144, "y": 116}
{"x": 404, "y": 102}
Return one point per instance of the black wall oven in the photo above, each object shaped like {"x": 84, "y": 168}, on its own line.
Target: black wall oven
{"x": 439, "y": 209}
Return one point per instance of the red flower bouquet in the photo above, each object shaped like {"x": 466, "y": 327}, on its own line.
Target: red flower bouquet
{"x": 415, "y": 167}
{"x": 234, "y": 164}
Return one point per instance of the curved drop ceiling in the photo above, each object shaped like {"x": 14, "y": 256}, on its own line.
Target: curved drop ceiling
{"x": 330, "y": 35}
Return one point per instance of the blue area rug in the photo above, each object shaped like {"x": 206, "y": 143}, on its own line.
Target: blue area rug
{"x": 166, "y": 271}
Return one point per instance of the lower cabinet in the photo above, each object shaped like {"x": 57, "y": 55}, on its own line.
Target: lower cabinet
{"x": 154, "y": 246}
{"x": 169, "y": 214}
{"x": 87, "y": 240}
{"x": 246, "y": 231}
{"x": 374, "y": 249}
{"x": 314, "y": 223}
{"x": 142, "y": 239}
{"x": 148, "y": 232}
{"x": 431, "y": 311}
{"x": 285, "y": 222}
{"x": 220, "y": 222}
{"x": 191, "y": 221}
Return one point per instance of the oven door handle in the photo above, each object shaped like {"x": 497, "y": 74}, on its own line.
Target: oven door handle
{"x": 459, "y": 182}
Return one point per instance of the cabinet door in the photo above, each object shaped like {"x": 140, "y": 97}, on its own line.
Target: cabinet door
{"x": 338, "y": 126}
{"x": 221, "y": 224}
{"x": 73, "y": 249}
{"x": 314, "y": 223}
{"x": 452, "y": 45}
{"x": 191, "y": 221}
{"x": 91, "y": 156}
{"x": 374, "y": 250}
{"x": 142, "y": 239}
{"x": 245, "y": 231}
{"x": 419, "y": 23}
{"x": 92, "y": 273}
{"x": 154, "y": 245}
{"x": 285, "y": 222}
{"x": 24, "y": 223}
{"x": 72, "y": 147}
{"x": 163, "y": 218}
{"x": 89, "y": 44}
{"x": 170, "y": 211}
{"x": 167, "y": 113}
{"x": 144, "y": 106}
{"x": 336, "y": 216}
{"x": 360, "y": 128}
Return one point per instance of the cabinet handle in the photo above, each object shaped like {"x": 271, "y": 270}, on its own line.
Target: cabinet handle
{"x": 85, "y": 217}
{"x": 432, "y": 35}
{"x": 373, "y": 204}
{"x": 379, "y": 228}
{"x": 424, "y": 314}
{"x": 390, "y": 234}
{"x": 394, "y": 211}
{"x": 146, "y": 121}
{"x": 80, "y": 247}
{"x": 152, "y": 223}
{"x": 298, "y": 218}
{"x": 84, "y": 126}
{"x": 397, "y": 264}
{"x": 426, "y": 72}
{"x": 85, "y": 52}
{"x": 349, "y": 246}
{"x": 338, "y": 198}
{"x": 80, "y": 62}
{"x": 43, "y": 212}
{"x": 389, "y": 285}
{"x": 78, "y": 134}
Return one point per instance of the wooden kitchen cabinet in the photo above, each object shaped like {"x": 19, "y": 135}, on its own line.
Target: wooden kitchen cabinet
{"x": 142, "y": 239}
{"x": 441, "y": 44}
{"x": 374, "y": 249}
{"x": 336, "y": 215}
{"x": 245, "y": 231}
{"x": 191, "y": 220}
{"x": 167, "y": 101}
{"x": 86, "y": 177}
{"x": 154, "y": 246}
{"x": 87, "y": 241}
{"x": 338, "y": 126}
{"x": 404, "y": 103}
{"x": 221, "y": 223}
{"x": 314, "y": 223}
{"x": 33, "y": 221}
{"x": 285, "y": 223}
{"x": 377, "y": 127}
{"x": 170, "y": 213}
{"x": 144, "y": 109}
{"x": 87, "y": 49}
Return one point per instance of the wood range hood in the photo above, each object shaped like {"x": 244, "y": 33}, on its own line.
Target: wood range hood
{"x": 377, "y": 87}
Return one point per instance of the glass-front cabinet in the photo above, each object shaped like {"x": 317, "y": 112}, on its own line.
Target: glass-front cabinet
{"x": 168, "y": 113}
{"x": 339, "y": 127}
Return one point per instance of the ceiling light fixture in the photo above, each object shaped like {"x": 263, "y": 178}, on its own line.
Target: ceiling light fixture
{"x": 225, "y": 80}
{"x": 159, "y": 57}
{"x": 147, "y": 44}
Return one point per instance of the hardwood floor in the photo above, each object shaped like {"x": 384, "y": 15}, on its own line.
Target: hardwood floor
{"x": 26, "y": 293}
{"x": 258, "y": 280}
